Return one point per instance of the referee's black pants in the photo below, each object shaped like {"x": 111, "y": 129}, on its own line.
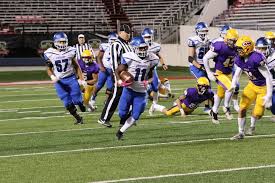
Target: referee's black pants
{"x": 111, "y": 104}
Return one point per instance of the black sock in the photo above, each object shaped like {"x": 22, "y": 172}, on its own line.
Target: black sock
{"x": 72, "y": 110}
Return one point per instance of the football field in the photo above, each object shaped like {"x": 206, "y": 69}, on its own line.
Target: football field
{"x": 40, "y": 143}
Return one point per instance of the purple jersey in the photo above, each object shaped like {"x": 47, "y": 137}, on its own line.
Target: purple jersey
{"x": 250, "y": 67}
{"x": 193, "y": 98}
{"x": 88, "y": 69}
{"x": 225, "y": 59}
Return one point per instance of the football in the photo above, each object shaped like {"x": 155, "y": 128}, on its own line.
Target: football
{"x": 126, "y": 77}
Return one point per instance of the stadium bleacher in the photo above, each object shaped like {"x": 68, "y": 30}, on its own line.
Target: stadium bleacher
{"x": 255, "y": 15}
{"x": 93, "y": 15}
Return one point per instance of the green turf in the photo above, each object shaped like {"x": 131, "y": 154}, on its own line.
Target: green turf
{"x": 12, "y": 76}
{"x": 34, "y": 121}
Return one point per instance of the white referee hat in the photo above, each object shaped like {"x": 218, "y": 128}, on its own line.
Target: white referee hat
{"x": 81, "y": 36}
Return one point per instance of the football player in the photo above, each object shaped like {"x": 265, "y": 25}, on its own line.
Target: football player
{"x": 270, "y": 36}
{"x": 198, "y": 46}
{"x": 222, "y": 53}
{"x": 190, "y": 100}
{"x": 164, "y": 90}
{"x": 105, "y": 73}
{"x": 154, "y": 47}
{"x": 223, "y": 31}
{"x": 259, "y": 87}
{"x": 90, "y": 71}
{"x": 61, "y": 67}
{"x": 140, "y": 64}
{"x": 263, "y": 45}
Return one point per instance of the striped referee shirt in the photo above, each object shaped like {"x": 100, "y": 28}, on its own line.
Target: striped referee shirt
{"x": 81, "y": 48}
{"x": 119, "y": 47}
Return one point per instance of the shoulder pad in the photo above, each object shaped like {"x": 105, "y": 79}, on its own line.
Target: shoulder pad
{"x": 191, "y": 41}
{"x": 216, "y": 46}
{"x": 152, "y": 56}
{"x": 130, "y": 56}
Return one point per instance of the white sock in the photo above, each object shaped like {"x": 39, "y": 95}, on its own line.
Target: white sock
{"x": 159, "y": 107}
{"x": 155, "y": 97}
{"x": 253, "y": 121}
{"x": 168, "y": 86}
{"x": 235, "y": 101}
{"x": 217, "y": 101}
{"x": 162, "y": 96}
{"x": 129, "y": 122}
{"x": 227, "y": 98}
{"x": 241, "y": 124}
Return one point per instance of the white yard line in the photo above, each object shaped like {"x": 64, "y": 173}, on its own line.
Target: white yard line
{"x": 41, "y": 94}
{"x": 48, "y": 117}
{"x": 49, "y": 131}
{"x": 68, "y": 130}
{"x": 31, "y": 100}
{"x": 26, "y": 112}
{"x": 188, "y": 174}
{"x": 129, "y": 146}
{"x": 53, "y": 112}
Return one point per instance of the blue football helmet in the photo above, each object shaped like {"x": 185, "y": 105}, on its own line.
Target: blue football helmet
{"x": 224, "y": 29}
{"x": 140, "y": 46}
{"x": 263, "y": 45}
{"x": 112, "y": 37}
{"x": 60, "y": 41}
{"x": 148, "y": 35}
{"x": 201, "y": 29}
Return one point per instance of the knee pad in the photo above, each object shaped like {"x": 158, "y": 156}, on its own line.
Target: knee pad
{"x": 71, "y": 108}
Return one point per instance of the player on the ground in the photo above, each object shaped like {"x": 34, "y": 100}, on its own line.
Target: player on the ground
{"x": 105, "y": 73}
{"x": 90, "y": 71}
{"x": 164, "y": 90}
{"x": 148, "y": 35}
{"x": 140, "y": 65}
{"x": 190, "y": 100}
{"x": 198, "y": 46}
{"x": 263, "y": 45}
{"x": 258, "y": 89}
{"x": 61, "y": 67}
{"x": 222, "y": 53}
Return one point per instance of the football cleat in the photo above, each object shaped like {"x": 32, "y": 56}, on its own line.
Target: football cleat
{"x": 119, "y": 135}
{"x": 214, "y": 116}
{"x": 105, "y": 123}
{"x": 151, "y": 110}
{"x": 79, "y": 121}
{"x": 207, "y": 110}
{"x": 238, "y": 136}
{"x": 227, "y": 113}
{"x": 250, "y": 131}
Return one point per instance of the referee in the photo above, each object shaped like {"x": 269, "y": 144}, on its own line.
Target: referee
{"x": 81, "y": 46}
{"x": 120, "y": 46}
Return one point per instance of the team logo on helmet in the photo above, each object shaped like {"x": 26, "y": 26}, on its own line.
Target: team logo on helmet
{"x": 246, "y": 43}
